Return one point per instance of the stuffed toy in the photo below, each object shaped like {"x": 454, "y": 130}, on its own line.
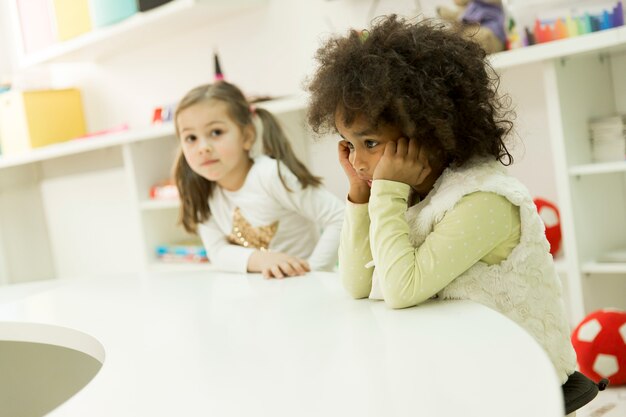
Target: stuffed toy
{"x": 549, "y": 213}
{"x": 600, "y": 344}
{"x": 480, "y": 20}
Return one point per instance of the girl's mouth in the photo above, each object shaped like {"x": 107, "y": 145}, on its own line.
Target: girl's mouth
{"x": 210, "y": 162}
{"x": 369, "y": 183}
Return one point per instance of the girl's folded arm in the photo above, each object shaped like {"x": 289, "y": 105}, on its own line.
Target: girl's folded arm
{"x": 224, "y": 255}
{"x": 354, "y": 251}
{"x": 411, "y": 275}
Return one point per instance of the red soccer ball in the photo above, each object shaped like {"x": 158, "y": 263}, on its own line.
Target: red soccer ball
{"x": 549, "y": 213}
{"x": 600, "y": 344}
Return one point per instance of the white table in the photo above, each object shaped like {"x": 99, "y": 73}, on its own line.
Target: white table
{"x": 216, "y": 344}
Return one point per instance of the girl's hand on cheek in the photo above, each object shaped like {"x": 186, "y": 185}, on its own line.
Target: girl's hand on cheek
{"x": 403, "y": 161}
{"x": 359, "y": 189}
{"x": 344, "y": 160}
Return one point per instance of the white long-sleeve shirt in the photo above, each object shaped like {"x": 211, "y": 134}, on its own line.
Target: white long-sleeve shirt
{"x": 303, "y": 222}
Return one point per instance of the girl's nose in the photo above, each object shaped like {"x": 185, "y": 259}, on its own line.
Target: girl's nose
{"x": 205, "y": 144}
{"x": 358, "y": 163}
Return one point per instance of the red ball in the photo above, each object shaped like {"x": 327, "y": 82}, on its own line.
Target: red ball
{"x": 549, "y": 213}
{"x": 600, "y": 344}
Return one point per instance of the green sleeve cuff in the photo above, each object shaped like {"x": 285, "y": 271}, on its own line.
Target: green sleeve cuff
{"x": 391, "y": 188}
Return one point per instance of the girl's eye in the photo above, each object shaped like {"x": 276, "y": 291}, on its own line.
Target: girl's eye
{"x": 190, "y": 138}
{"x": 215, "y": 133}
{"x": 350, "y": 146}
{"x": 370, "y": 144}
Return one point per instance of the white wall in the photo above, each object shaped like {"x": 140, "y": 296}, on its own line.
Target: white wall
{"x": 7, "y": 41}
{"x": 266, "y": 50}
{"x": 530, "y": 142}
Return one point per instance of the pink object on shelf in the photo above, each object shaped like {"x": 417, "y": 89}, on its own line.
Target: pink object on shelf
{"x": 36, "y": 24}
{"x": 120, "y": 128}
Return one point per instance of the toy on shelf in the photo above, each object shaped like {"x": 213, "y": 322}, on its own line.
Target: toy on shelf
{"x": 163, "y": 114}
{"x": 600, "y": 344}
{"x": 480, "y": 20}
{"x": 182, "y": 252}
{"x": 35, "y": 118}
{"x": 116, "y": 129}
{"x": 568, "y": 22}
{"x": 5, "y": 84}
{"x": 549, "y": 213}
{"x": 219, "y": 75}
{"x": 164, "y": 190}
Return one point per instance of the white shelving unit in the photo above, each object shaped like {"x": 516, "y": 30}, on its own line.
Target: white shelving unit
{"x": 580, "y": 78}
{"x": 583, "y": 78}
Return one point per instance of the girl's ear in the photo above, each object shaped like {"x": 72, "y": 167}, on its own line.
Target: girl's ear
{"x": 249, "y": 136}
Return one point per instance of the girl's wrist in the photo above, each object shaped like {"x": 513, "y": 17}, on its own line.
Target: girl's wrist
{"x": 359, "y": 194}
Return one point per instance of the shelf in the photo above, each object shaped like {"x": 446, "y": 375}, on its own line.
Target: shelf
{"x": 88, "y": 144}
{"x": 141, "y": 29}
{"x": 82, "y": 145}
{"x": 598, "y": 168}
{"x": 159, "y": 204}
{"x": 604, "y": 268}
{"x": 603, "y": 41}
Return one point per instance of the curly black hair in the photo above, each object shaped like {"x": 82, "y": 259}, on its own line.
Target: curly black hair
{"x": 422, "y": 77}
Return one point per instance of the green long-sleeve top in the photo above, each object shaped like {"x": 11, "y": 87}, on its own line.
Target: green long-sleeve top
{"x": 482, "y": 226}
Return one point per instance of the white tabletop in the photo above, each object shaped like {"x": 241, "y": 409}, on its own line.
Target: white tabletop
{"x": 216, "y": 344}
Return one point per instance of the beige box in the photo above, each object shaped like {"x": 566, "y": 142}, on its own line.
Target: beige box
{"x": 31, "y": 119}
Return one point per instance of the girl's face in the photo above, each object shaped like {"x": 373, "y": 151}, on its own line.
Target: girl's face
{"x": 366, "y": 143}
{"x": 214, "y": 146}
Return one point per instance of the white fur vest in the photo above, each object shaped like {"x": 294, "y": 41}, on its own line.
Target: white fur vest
{"x": 525, "y": 286}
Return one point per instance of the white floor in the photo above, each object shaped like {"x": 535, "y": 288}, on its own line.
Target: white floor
{"x": 609, "y": 403}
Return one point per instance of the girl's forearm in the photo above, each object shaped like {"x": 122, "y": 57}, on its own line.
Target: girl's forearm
{"x": 355, "y": 253}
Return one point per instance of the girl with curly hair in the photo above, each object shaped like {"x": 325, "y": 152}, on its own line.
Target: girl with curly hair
{"x": 431, "y": 211}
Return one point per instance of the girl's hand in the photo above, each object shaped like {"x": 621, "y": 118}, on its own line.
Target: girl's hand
{"x": 403, "y": 161}
{"x": 359, "y": 189}
{"x": 277, "y": 264}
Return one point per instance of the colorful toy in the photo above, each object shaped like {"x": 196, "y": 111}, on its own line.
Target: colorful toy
{"x": 183, "y": 252}
{"x": 546, "y": 30}
{"x": 163, "y": 114}
{"x": 481, "y": 20}
{"x": 600, "y": 344}
{"x": 165, "y": 190}
{"x": 549, "y": 213}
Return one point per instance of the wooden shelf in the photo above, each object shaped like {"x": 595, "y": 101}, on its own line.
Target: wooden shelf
{"x": 142, "y": 28}
{"x": 598, "y": 168}
{"x": 603, "y": 41}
